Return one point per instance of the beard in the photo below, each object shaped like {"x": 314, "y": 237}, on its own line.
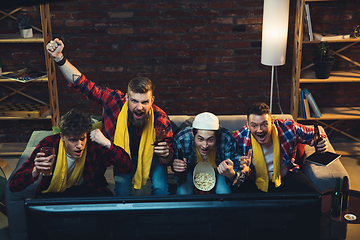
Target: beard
{"x": 138, "y": 122}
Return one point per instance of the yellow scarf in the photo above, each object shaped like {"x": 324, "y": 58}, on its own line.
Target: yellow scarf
{"x": 146, "y": 150}
{"x": 262, "y": 177}
{"x": 59, "y": 181}
{"x": 210, "y": 157}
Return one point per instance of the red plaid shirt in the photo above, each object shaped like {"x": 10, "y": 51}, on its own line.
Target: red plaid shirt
{"x": 112, "y": 102}
{"x": 98, "y": 158}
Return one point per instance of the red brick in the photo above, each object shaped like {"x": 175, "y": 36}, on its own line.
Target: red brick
{"x": 136, "y": 6}
{"x": 176, "y": 13}
{"x": 144, "y": 46}
{"x": 192, "y": 21}
{"x": 76, "y": 8}
{"x": 149, "y": 30}
{"x": 205, "y": 29}
{"x": 194, "y": 5}
{"x": 121, "y": 14}
{"x": 178, "y": 75}
{"x": 223, "y": 4}
{"x": 222, "y": 52}
{"x": 164, "y": 37}
{"x": 136, "y": 54}
{"x": 164, "y": 53}
{"x": 136, "y": 23}
{"x": 204, "y": 45}
{"x": 107, "y": 7}
{"x": 234, "y": 59}
{"x": 191, "y": 53}
{"x": 193, "y": 95}
{"x": 205, "y": 13}
{"x": 164, "y": 22}
{"x": 91, "y": 15}
{"x": 193, "y": 37}
{"x": 207, "y": 60}
{"x": 235, "y": 12}
{"x": 233, "y": 74}
{"x": 138, "y": 69}
{"x": 148, "y": 14}
{"x": 176, "y": 30}
{"x": 179, "y": 60}
{"x": 78, "y": 23}
{"x": 221, "y": 21}
{"x": 193, "y": 68}
{"x": 221, "y": 95}
{"x": 222, "y": 37}
{"x": 166, "y": 5}
{"x": 207, "y": 103}
{"x": 177, "y": 46}
{"x": 206, "y": 75}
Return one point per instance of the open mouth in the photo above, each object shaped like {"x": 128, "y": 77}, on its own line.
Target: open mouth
{"x": 204, "y": 151}
{"x": 78, "y": 152}
{"x": 261, "y": 137}
{"x": 138, "y": 115}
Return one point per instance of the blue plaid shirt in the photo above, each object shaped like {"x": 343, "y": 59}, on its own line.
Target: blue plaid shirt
{"x": 227, "y": 149}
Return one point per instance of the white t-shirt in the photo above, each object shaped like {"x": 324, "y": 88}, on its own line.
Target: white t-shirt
{"x": 71, "y": 165}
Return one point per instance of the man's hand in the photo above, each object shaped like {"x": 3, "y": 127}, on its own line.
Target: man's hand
{"x": 180, "y": 165}
{"x": 54, "y": 48}
{"x": 321, "y": 146}
{"x": 98, "y": 137}
{"x": 41, "y": 162}
{"x": 245, "y": 162}
{"x": 162, "y": 149}
{"x": 226, "y": 168}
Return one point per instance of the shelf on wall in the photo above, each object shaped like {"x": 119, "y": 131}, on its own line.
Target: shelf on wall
{"x": 337, "y": 113}
{"x": 16, "y": 38}
{"x": 335, "y": 76}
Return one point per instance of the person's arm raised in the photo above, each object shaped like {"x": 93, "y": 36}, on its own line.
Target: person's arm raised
{"x": 70, "y": 72}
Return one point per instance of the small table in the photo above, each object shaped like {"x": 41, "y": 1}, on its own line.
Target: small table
{"x": 353, "y": 207}
{"x": 335, "y": 227}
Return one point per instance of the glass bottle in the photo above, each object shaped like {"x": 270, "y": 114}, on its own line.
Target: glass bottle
{"x": 345, "y": 192}
{"x": 336, "y": 200}
{"x": 182, "y": 175}
{"x": 317, "y": 137}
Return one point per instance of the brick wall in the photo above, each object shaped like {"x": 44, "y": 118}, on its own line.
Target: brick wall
{"x": 201, "y": 55}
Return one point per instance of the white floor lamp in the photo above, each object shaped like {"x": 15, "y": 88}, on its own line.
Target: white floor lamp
{"x": 274, "y": 36}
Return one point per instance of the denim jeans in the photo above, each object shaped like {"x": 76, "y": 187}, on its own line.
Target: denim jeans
{"x": 187, "y": 187}
{"x": 158, "y": 176}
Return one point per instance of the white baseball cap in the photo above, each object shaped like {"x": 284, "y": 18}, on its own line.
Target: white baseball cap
{"x": 206, "y": 121}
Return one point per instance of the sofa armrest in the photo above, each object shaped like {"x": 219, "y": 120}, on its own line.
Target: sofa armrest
{"x": 15, "y": 200}
{"x": 324, "y": 177}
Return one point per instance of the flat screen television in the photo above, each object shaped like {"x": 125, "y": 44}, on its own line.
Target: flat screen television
{"x": 233, "y": 216}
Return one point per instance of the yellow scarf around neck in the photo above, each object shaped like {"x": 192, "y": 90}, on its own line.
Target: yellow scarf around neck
{"x": 262, "y": 177}
{"x": 146, "y": 150}
{"x": 59, "y": 181}
{"x": 211, "y": 157}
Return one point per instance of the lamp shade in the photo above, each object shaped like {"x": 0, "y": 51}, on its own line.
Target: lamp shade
{"x": 274, "y": 32}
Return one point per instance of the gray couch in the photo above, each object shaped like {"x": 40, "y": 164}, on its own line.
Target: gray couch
{"x": 323, "y": 177}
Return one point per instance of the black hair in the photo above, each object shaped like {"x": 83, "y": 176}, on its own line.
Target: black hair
{"x": 259, "y": 108}
{"x": 141, "y": 85}
{"x": 75, "y": 124}
{"x": 217, "y": 134}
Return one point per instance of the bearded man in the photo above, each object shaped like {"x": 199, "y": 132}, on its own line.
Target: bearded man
{"x": 131, "y": 121}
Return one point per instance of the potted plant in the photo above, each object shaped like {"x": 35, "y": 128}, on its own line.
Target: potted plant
{"x": 323, "y": 60}
{"x": 25, "y": 26}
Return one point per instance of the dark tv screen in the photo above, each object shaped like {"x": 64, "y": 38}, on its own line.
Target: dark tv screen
{"x": 240, "y": 216}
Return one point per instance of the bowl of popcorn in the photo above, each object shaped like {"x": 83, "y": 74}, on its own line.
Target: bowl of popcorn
{"x": 204, "y": 177}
